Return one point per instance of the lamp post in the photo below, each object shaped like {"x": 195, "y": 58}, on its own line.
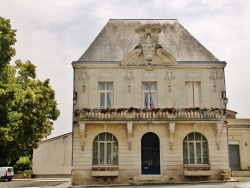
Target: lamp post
{"x": 225, "y": 100}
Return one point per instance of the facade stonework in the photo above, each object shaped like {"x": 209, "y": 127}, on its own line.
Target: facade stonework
{"x": 153, "y": 112}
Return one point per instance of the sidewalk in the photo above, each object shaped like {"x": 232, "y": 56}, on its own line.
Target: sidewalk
{"x": 63, "y": 185}
{"x": 67, "y": 184}
{"x": 234, "y": 179}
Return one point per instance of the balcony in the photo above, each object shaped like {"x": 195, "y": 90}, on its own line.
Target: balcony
{"x": 145, "y": 114}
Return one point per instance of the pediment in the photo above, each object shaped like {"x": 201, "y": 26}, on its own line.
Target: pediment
{"x": 148, "y": 51}
{"x": 135, "y": 57}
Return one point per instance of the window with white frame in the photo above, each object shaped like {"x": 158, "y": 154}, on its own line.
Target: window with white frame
{"x": 105, "y": 150}
{"x": 105, "y": 95}
{"x": 149, "y": 93}
{"x": 195, "y": 149}
{"x": 193, "y": 93}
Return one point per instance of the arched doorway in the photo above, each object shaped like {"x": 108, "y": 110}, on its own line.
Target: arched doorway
{"x": 150, "y": 154}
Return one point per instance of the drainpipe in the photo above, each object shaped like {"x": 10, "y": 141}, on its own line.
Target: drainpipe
{"x": 73, "y": 108}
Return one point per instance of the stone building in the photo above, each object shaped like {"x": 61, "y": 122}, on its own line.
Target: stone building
{"x": 148, "y": 106}
{"x": 53, "y": 157}
{"x": 239, "y": 143}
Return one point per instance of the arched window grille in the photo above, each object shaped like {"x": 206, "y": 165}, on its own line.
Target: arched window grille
{"x": 195, "y": 149}
{"x": 105, "y": 150}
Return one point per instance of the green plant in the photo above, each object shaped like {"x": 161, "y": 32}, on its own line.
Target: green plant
{"x": 23, "y": 166}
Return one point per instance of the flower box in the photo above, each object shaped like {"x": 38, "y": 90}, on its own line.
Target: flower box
{"x": 197, "y": 173}
{"x": 22, "y": 176}
{"x": 104, "y": 173}
{"x": 241, "y": 173}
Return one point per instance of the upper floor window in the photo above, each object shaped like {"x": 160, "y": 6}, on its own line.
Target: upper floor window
{"x": 105, "y": 150}
{"x": 106, "y": 95}
{"x": 149, "y": 94}
{"x": 193, "y": 93}
{"x": 195, "y": 149}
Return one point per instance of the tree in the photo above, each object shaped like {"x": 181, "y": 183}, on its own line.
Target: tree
{"x": 27, "y": 108}
{"x": 7, "y": 40}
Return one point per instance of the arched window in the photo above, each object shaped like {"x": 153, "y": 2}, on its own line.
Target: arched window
{"x": 195, "y": 149}
{"x": 105, "y": 150}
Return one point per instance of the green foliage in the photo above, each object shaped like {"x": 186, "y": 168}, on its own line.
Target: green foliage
{"x": 27, "y": 108}
{"x": 7, "y": 40}
{"x": 23, "y": 165}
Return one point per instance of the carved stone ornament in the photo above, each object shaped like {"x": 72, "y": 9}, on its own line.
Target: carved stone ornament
{"x": 84, "y": 74}
{"x": 214, "y": 75}
{"x": 217, "y": 129}
{"x": 82, "y": 134}
{"x": 171, "y": 134}
{"x": 169, "y": 77}
{"x": 148, "y": 51}
{"x": 130, "y": 134}
{"x": 129, "y": 74}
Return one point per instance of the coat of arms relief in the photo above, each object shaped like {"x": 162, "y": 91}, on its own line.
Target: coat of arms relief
{"x": 148, "y": 51}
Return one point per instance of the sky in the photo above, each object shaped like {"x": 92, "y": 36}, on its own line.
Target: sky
{"x": 53, "y": 33}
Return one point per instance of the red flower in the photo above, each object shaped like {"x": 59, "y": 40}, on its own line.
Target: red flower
{"x": 103, "y": 111}
{"x": 170, "y": 110}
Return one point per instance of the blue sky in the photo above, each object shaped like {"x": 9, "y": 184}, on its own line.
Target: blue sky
{"x": 53, "y": 33}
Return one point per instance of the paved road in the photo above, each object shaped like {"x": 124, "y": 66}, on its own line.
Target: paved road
{"x": 36, "y": 183}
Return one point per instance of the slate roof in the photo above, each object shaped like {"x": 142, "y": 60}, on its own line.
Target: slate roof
{"x": 118, "y": 38}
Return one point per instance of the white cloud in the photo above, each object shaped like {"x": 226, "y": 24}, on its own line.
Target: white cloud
{"x": 52, "y": 34}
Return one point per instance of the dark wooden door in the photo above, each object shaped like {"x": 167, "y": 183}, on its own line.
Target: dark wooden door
{"x": 150, "y": 154}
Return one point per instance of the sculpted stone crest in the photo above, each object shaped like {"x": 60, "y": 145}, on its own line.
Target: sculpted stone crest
{"x": 148, "y": 51}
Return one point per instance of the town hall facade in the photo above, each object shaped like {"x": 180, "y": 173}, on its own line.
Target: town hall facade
{"x": 149, "y": 106}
